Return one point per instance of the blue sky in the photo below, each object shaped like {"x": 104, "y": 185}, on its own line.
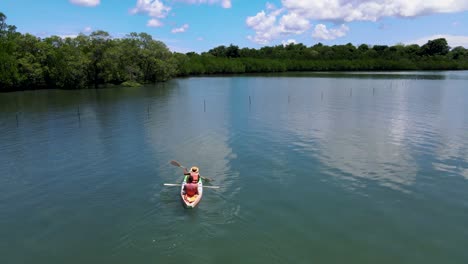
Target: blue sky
{"x": 199, "y": 25}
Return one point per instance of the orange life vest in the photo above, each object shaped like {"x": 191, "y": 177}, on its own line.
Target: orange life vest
{"x": 191, "y": 189}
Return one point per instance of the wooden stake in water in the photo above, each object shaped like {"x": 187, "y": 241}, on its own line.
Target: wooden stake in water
{"x": 250, "y": 102}
{"x": 17, "y": 122}
{"x": 79, "y": 116}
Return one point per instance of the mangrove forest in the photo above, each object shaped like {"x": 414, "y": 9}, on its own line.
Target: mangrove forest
{"x": 89, "y": 61}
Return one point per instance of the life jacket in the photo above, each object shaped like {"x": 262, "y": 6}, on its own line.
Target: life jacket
{"x": 191, "y": 189}
{"x": 195, "y": 176}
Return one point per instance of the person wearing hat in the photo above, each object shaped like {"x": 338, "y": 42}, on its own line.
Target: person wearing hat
{"x": 194, "y": 173}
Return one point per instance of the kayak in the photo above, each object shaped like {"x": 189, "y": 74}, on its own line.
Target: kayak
{"x": 191, "y": 202}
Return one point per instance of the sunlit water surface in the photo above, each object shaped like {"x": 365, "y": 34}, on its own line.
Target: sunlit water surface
{"x": 313, "y": 168}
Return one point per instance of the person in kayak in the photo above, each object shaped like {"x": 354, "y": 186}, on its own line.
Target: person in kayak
{"x": 190, "y": 188}
{"x": 194, "y": 172}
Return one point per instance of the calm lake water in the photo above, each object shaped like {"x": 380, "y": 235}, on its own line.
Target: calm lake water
{"x": 313, "y": 168}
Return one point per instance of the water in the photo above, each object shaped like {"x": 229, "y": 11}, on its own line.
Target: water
{"x": 325, "y": 168}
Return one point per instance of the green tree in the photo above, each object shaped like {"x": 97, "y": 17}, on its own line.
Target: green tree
{"x": 232, "y": 51}
{"x": 8, "y": 66}
{"x": 435, "y": 47}
{"x": 459, "y": 53}
{"x": 219, "y": 51}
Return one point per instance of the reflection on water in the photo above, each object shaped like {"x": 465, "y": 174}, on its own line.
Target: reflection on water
{"x": 359, "y": 162}
{"x": 405, "y": 75}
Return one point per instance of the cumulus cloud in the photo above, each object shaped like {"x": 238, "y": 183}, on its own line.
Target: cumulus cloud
{"x": 181, "y": 29}
{"x": 289, "y": 41}
{"x": 370, "y": 10}
{"x": 153, "y": 8}
{"x": 157, "y": 9}
{"x": 85, "y": 2}
{"x": 154, "y": 23}
{"x": 64, "y": 36}
{"x": 264, "y": 26}
{"x": 295, "y": 16}
{"x": 87, "y": 30}
{"x": 270, "y": 6}
{"x": 452, "y": 40}
{"x": 267, "y": 27}
{"x": 224, "y": 3}
{"x": 323, "y": 33}
{"x": 294, "y": 24}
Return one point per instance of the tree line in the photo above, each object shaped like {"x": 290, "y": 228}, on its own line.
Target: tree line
{"x": 29, "y": 62}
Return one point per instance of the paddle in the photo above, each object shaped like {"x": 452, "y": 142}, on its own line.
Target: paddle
{"x": 178, "y": 185}
{"x": 177, "y": 164}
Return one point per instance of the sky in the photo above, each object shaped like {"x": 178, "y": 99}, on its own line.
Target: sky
{"x": 200, "y": 25}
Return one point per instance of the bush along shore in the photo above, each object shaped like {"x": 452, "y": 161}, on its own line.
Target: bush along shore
{"x": 95, "y": 60}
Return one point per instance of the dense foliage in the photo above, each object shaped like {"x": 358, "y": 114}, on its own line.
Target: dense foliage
{"x": 29, "y": 62}
{"x": 434, "y": 55}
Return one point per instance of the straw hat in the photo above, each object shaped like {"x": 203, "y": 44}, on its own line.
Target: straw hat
{"x": 194, "y": 169}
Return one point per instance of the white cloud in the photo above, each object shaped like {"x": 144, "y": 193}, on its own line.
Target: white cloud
{"x": 87, "y": 29}
{"x": 264, "y": 26}
{"x": 452, "y": 40}
{"x": 289, "y": 41}
{"x": 68, "y": 36}
{"x": 181, "y": 29}
{"x": 322, "y": 32}
{"x": 158, "y": 8}
{"x": 154, "y": 8}
{"x": 85, "y": 2}
{"x": 270, "y": 6}
{"x": 224, "y": 3}
{"x": 292, "y": 23}
{"x": 294, "y": 16}
{"x": 200, "y": 39}
{"x": 154, "y": 23}
{"x": 267, "y": 28}
{"x": 370, "y": 10}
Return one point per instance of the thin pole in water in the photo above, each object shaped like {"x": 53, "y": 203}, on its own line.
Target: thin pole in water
{"x": 148, "y": 110}
{"x": 79, "y": 116}
{"x": 322, "y": 96}
{"x": 288, "y": 99}
{"x": 204, "y": 105}
{"x": 373, "y": 90}
{"x": 17, "y": 110}
{"x": 351, "y": 92}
